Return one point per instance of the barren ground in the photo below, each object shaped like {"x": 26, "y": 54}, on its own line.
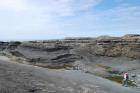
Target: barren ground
{"x": 22, "y": 78}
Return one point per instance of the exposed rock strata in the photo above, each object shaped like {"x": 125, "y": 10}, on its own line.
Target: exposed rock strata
{"x": 65, "y": 51}
{"x": 102, "y": 56}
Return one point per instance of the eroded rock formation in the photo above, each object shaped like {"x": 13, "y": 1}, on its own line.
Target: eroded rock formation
{"x": 101, "y": 56}
{"x": 70, "y": 49}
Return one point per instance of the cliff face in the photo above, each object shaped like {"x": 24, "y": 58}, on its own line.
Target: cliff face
{"x": 70, "y": 50}
{"x": 117, "y": 48}
{"x": 128, "y": 46}
{"x": 9, "y": 45}
{"x": 101, "y": 56}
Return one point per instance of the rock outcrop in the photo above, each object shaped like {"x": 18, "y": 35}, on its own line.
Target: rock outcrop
{"x": 70, "y": 50}
{"x": 101, "y": 56}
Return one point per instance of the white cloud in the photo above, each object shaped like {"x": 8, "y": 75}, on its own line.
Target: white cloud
{"x": 125, "y": 14}
{"x": 44, "y": 18}
{"x": 116, "y": 21}
{"x": 49, "y": 7}
{"x": 12, "y": 5}
{"x": 119, "y": 20}
{"x": 64, "y": 7}
{"x": 34, "y": 17}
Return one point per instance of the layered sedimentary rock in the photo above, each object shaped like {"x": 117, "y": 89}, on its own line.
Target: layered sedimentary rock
{"x": 70, "y": 50}
{"x": 102, "y": 56}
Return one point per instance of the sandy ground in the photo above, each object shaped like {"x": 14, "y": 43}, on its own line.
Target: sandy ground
{"x": 22, "y": 78}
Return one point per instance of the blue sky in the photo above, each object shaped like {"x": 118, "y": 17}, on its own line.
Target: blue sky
{"x": 52, "y": 19}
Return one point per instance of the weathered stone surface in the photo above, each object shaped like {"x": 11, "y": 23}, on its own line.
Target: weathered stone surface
{"x": 109, "y": 54}
{"x": 65, "y": 51}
